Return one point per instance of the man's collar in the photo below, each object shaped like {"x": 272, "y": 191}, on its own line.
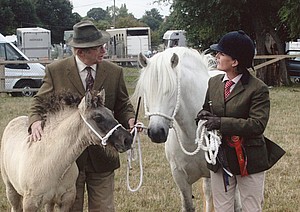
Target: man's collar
{"x": 81, "y": 66}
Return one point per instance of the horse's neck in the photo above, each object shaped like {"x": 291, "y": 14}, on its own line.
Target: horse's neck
{"x": 191, "y": 101}
{"x": 64, "y": 140}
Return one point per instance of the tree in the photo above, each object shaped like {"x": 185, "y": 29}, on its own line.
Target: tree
{"x": 128, "y": 21}
{"x": 207, "y": 20}
{"x": 76, "y": 17}
{"x": 57, "y": 16}
{"x": 123, "y": 11}
{"x": 98, "y": 14}
{"x": 152, "y": 18}
{"x": 289, "y": 14}
{"x": 17, "y": 13}
{"x": 7, "y": 14}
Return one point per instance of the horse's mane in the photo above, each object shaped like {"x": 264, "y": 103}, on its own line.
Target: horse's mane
{"x": 59, "y": 101}
{"x": 159, "y": 79}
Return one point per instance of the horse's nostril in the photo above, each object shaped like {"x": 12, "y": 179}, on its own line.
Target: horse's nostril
{"x": 158, "y": 135}
{"x": 128, "y": 142}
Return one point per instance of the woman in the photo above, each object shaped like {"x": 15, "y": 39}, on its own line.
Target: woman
{"x": 238, "y": 105}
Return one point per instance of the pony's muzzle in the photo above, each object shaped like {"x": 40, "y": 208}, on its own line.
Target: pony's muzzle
{"x": 122, "y": 140}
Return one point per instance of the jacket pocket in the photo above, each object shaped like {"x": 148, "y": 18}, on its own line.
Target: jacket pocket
{"x": 254, "y": 142}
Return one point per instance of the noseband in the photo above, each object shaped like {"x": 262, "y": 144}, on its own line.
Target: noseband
{"x": 170, "y": 118}
{"x": 106, "y": 137}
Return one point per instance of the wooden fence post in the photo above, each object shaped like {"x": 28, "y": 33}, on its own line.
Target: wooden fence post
{"x": 2, "y": 79}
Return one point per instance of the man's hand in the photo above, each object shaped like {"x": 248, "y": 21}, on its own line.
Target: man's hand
{"x": 212, "y": 123}
{"x": 36, "y": 131}
{"x": 202, "y": 114}
{"x": 131, "y": 125}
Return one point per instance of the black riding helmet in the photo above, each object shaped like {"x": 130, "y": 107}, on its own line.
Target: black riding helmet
{"x": 238, "y": 45}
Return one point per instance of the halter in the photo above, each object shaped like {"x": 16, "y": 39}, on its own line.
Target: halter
{"x": 172, "y": 118}
{"x": 212, "y": 143}
{"x": 106, "y": 137}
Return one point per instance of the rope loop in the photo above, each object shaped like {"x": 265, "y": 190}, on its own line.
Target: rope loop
{"x": 133, "y": 154}
{"x": 209, "y": 142}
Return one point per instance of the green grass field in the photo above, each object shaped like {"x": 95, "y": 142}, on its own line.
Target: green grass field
{"x": 159, "y": 192}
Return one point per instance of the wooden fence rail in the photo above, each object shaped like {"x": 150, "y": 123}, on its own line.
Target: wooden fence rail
{"x": 132, "y": 75}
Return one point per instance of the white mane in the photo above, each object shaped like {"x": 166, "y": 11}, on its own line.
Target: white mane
{"x": 159, "y": 79}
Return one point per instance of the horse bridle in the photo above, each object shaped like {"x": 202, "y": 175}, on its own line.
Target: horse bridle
{"x": 170, "y": 118}
{"x": 106, "y": 137}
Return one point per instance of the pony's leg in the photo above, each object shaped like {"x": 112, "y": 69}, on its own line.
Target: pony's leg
{"x": 31, "y": 203}
{"x": 185, "y": 190}
{"x": 49, "y": 207}
{"x": 68, "y": 200}
{"x": 207, "y": 194}
{"x": 237, "y": 200}
{"x": 14, "y": 198}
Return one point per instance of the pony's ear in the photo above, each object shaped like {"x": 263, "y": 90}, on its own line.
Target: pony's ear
{"x": 143, "y": 60}
{"x": 102, "y": 95}
{"x": 86, "y": 102}
{"x": 174, "y": 60}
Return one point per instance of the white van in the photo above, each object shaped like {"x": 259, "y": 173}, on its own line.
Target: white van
{"x": 24, "y": 75}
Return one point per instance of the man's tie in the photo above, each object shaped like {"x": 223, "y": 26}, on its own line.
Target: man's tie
{"x": 228, "y": 84}
{"x": 89, "y": 80}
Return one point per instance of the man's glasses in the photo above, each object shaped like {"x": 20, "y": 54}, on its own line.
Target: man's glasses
{"x": 98, "y": 48}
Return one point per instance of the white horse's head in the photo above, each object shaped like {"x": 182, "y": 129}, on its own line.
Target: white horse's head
{"x": 173, "y": 85}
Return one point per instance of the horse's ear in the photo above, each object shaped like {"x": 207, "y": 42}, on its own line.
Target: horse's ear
{"x": 102, "y": 95}
{"x": 174, "y": 60}
{"x": 143, "y": 60}
{"x": 86, "y": 102}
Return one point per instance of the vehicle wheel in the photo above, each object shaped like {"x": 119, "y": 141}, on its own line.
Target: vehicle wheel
{"x": 26, "y": 86}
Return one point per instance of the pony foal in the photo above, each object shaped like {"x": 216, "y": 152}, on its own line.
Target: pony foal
{"x": 44, "y": 173}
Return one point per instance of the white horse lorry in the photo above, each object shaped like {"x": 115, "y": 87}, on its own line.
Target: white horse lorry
{"x": 129, "y": 42}
{"x": 174, "y": 38}
{"x": 125, "y": 44}
{"x": 34, "y": 42}
{"x": 27, "y": 77}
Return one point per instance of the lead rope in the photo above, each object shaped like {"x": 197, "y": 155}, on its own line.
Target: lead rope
{"x": 211, "y": 144}
{"x": 199, "y": 140}
{"x": 132, "y": 155}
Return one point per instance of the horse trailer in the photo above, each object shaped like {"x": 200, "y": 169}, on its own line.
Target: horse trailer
{"x": 35, "y": 43}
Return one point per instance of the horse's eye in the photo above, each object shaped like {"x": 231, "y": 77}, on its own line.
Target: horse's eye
{"x": 98, "y": 118}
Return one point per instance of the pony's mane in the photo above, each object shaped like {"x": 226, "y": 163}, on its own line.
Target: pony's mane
{"x": 159, "y": 79}
{"x": 57, "y": 102}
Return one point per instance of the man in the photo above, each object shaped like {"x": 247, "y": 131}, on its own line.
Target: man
{"x": 87, "y": 70}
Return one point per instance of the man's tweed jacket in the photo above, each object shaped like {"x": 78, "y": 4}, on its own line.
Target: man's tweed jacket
{"x": 64, "y": 75}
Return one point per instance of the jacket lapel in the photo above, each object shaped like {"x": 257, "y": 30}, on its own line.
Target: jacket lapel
{"x": 237, "y": 89}
{"x": 74, "y": 77}
{"x": 239, "y": 86}
{"x": 101, "y": 75}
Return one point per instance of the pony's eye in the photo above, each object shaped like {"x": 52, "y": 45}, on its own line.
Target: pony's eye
{"x": 98, "y": 118}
